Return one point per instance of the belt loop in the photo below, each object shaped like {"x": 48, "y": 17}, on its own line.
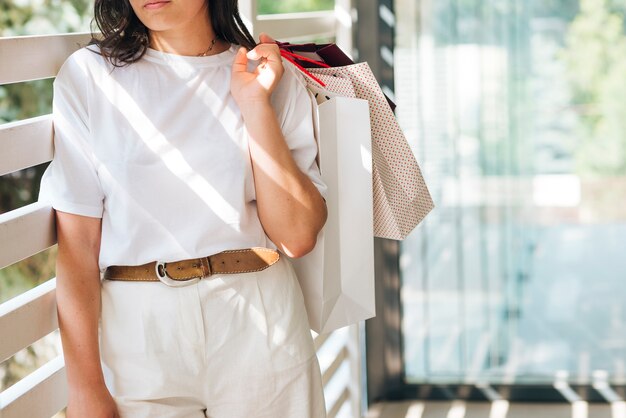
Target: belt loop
{"x": 206, "y": 267}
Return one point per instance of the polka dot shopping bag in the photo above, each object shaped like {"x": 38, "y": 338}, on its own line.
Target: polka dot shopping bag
{"x": 401, "y": 197}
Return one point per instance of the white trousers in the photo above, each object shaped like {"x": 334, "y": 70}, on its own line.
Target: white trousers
{"x": 231, "y": 346}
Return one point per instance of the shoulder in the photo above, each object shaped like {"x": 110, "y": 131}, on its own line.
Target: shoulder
{"x": 292, "y": 84}
{"x": 293, "y": 75}
{"x": 81, "y": 63}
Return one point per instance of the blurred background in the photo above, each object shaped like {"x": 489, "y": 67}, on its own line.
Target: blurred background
{"x": 517, "y": 112}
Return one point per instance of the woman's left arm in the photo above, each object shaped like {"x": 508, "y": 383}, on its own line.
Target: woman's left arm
{"x": 290, "y": 207}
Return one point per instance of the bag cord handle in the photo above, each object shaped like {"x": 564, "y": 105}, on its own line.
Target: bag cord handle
{"x": 291, "y": 57}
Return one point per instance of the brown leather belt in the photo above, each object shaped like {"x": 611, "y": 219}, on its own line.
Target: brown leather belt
{"x": 186, "y": 272}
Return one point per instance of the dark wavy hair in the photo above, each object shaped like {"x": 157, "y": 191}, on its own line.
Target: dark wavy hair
{"x": 124, "y": 38}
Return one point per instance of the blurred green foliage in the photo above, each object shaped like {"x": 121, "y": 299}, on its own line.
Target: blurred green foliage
{"x": 40, "y": 17}
{"x": 595, "y": 54}
{"x": 293, "y": 6}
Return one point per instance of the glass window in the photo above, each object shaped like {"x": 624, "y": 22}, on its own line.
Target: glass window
{"x": 516, "y": 112}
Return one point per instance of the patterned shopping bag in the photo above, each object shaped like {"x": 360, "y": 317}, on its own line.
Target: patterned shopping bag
{"x": 401, "y": 197}
{"x": 318, "y": 56}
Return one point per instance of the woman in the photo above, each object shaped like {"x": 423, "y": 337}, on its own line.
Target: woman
{"x": 177, "y": 139}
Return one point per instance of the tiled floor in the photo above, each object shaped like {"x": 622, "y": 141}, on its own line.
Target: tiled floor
{"x": 498, "y": 409}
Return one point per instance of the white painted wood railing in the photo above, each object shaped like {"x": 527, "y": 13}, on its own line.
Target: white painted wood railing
{"x": 29, "y": 230}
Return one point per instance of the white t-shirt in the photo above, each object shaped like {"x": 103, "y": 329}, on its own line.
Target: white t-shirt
{"x": 159, "y": 151}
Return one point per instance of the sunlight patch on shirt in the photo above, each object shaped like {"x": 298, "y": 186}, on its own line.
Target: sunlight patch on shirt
{"x": 157, "y": 143}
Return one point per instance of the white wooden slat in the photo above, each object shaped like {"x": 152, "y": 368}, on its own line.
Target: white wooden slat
{"x": 334, "y": 366}
{"x": 336, "y": 407}
{"x": 26, "y": 231}
{"x": 321, "y": 339}
{"x": 247, "y": 11}
{"x": 41, "y": 394}
{"x": 345, "y": 13}
{"x": 25, "y": 143}
{"x": 25, "y": 58}
{"x": 296, "y": 26}
{"x": 356, "y": 383}
{"x": 27, "y": 318}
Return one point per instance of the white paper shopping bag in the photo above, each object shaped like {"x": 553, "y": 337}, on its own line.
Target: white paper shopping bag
{"x": 337, "y": 277}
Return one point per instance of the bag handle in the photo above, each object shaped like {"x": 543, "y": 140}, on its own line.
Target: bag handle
{"x": 301, "y": 68}
{"x": 303, "y": 58}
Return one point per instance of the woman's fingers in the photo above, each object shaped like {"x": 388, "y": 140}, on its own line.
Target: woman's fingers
{"x": 248, "y": 86}
{"x": 268, "y": 51}
{"x": 266, "y": 39}
{"x": 269, "y": 56}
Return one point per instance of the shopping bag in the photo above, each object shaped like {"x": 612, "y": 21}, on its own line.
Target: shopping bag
{"x": 401, "y": 197}
{"x": 318, "y": 56}
{"x": 337, "y": 277}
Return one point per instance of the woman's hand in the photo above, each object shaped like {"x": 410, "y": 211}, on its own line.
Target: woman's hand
{"x": 256, "y": 87}
{"x": 93, "y": 403}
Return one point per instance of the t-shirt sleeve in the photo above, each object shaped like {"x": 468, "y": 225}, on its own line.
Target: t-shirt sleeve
{"x": 294, "y": 108}
{"x": 70, "y": 183}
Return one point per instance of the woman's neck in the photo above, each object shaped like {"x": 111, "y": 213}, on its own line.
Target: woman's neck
{"x": 191, "y": 40}
{"x": 185, "y": 47}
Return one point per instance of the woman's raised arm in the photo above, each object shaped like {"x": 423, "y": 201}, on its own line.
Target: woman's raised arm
{"x": 291, "y": 209}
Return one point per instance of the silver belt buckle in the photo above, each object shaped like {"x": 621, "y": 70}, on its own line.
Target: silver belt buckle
{"x": 164, "y": 278}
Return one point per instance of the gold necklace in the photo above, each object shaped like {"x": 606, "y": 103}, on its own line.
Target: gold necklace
{"x": 209, "y": 49}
